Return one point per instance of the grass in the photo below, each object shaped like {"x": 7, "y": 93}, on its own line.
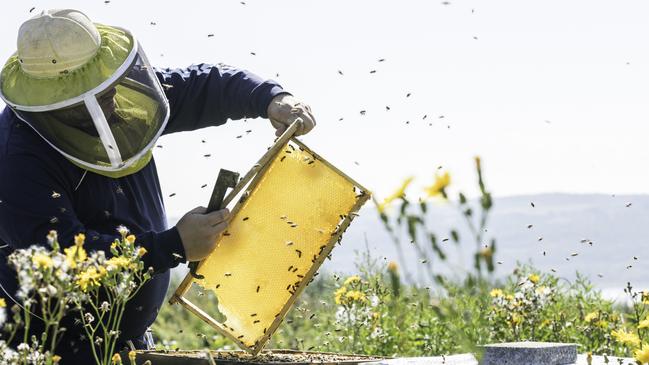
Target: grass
{"x": 383, "y": 316}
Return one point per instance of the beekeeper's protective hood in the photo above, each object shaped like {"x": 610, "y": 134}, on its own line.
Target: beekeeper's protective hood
{"x": 88, "y": 90}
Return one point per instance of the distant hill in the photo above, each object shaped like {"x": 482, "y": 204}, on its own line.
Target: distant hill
{"x": 618, "y": 234}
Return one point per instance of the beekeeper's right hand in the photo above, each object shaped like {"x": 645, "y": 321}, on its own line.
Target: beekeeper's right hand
{"x": 199, "y": 231}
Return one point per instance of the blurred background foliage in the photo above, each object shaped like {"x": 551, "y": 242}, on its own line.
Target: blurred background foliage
{"x": 384, "y": 310}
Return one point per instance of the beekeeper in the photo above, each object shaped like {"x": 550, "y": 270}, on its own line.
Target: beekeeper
{"x": 84, "y": 110}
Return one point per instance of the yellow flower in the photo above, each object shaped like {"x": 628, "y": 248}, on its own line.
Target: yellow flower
{"x": 118, "y": 262}
{"x": 131, "y": 355}
{"x": 339, "y": 294}
{"x": 393, "y": 267}
{"x": 396, "y": 195}
{"x": 75, "y": 254}
{"x": 486, "y": 252}
{"x": 355, "y": 295}
{"x": 116, "y": 359}
{"x": 130, "y": 239}
{"x": 375, "y": 316}
{"x": 516, "y": 319}
{"x": 642, "y": 355}
{"x": 42, "y": 261}
{"x": 602, "y": 324}
{"x": 56, "y": 359}
{"x": 534, "y": 278}
{"x": 509, "y": 297}
{"x": 79, "y": 239}
{"x": 626, "y": 338}
{"x": 644, "y": 323}
{"x": 438, "y": 188}
{"x": 89, "y": 278}
{"x": 496, "y": 293}
{"x": 3, "y": 303}
{"x": 141, "y": 251}
{"x": 352, "y": 279}
{"x": 590, "y": 316}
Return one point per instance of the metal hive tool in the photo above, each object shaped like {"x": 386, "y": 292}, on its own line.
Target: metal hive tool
{"x": 294, "y": 209}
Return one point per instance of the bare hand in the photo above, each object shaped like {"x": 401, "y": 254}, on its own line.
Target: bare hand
{"x": 284, "y": 109}
{"x": 199, "y": 231}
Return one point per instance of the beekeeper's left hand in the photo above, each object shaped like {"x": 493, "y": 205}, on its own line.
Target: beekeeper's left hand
{"x": 284, "y": 109}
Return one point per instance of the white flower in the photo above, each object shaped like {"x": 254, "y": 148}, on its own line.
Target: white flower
{"x": 89, "y": 318}
{"x": 105, "y": 307}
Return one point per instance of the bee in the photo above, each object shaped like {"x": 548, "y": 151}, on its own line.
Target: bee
{"x": 228, "y": 274}
{"x": 226, "y": 233}
{"x": 54, "y": 220}
{"x": 172, "y": 195}
{"x": 258, "y": 288}
{"x": 218, "y": 286}
{"x": 288, "y": 287}
{"x": 256, "y": 321}
{"x": 287, "y": 151}
{"x": 291, "y": 146}
{"x": 282, "y": 159}
{"x": 293, "y": 225}
{"x": 310, "y": 162}
{"x": 207, "y": 155}
{"x": 373, "y": 71}
{"x": 294, "y": 270}
{"x": 289, "y": 243}
{"x": 246, "y": 218}
{"x": 264, "y": 330}
{"x": 240, "y": 337}
{"x": 253, "y": 315}
{"x": 290, "y": 268}
{"x": 299, "y": 253}
{"x": 203, "y": 186}
{"x": 300, "y": 276}
{"x": 55, "y": 195}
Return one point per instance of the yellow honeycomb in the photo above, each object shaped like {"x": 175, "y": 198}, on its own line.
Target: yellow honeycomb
{"x": 273, "y": 241}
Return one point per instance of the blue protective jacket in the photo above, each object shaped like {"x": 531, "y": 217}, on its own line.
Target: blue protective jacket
{"x": 31, "y": 171}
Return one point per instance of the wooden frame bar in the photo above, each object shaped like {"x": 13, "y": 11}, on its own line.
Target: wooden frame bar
{"x": 253, "y": 177}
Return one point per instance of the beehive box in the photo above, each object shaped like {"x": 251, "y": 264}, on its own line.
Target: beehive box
{"x": 267, "y": 357}
{"x": 285, "y": 225}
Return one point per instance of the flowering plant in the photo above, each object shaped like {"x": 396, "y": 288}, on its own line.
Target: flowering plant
{"x": 56, "y": 281}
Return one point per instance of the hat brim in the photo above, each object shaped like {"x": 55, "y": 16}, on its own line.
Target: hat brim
{"x": 21, "y": 89}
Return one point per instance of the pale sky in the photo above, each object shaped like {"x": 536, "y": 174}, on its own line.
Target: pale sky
{"x": 551, "y": 94}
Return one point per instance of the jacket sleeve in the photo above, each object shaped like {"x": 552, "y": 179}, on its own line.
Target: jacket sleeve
{"x": 208, "y": 95}
{"x": 35, "y": 199}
